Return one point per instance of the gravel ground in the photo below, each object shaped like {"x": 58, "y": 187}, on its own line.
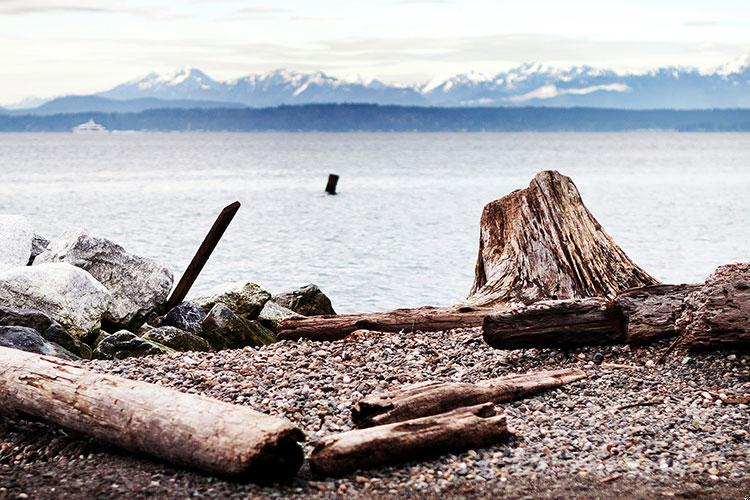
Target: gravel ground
{"x": 633, "y": 428}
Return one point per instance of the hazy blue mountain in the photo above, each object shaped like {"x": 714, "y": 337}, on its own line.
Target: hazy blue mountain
{"x": 79, "y": 104}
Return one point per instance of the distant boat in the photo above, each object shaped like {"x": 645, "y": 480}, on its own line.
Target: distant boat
{"x": 90, "y": 127}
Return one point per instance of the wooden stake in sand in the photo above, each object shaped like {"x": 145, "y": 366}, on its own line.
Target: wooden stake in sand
{"x": 432, "y": 398}
{"x": 333, "y": 179}
{"x": 202, "y": 255}
{"x": 184, "y": 429}
{"x": 458, "y": 430}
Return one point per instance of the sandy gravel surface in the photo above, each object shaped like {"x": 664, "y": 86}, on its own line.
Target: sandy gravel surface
{"x": 633, "y": 428}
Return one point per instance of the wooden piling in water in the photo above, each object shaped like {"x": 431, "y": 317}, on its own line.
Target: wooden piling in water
{"x": 333, "y": 179}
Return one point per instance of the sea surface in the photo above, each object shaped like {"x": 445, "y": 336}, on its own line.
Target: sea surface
{"x": 403, "y": 230}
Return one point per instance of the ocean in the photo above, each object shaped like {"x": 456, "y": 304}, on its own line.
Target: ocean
{"x": 403, "y": 230}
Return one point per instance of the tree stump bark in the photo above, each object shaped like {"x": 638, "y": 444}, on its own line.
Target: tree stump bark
{"x": 718, "y": 313}
{"x": 432, "y": 398}
{"x": 458, "y": 430}
{"x": 183, "y": 429}
{"x": 542, "y": 243}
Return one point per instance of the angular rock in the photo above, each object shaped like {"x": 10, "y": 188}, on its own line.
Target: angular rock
{"x": 124, "y": 344}
{"x": 542, "y": 243}
{"x": 225, "y": 330}
{"x": 138, "y": 285}
{"x": 46, "y": 327}
{"x": 38, "y": 245}
{"x": 273, "y": 314}
{"x": 65, "y": 293}
{"x": 176, "y": 339}
{"x": 246, "y": 300}
{"x": 718, "y": 314}
{"x": 15, "y": 241}
{"x": 186, "y": 316}
{"x": 307, "y": 301}
{"x": 29, "y": 340}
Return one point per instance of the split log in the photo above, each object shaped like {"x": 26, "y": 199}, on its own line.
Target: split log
{"x": 650, "y": 312}
{"x": 432, "y": 398}
{"x": 183, "y": 429}
{"x": 422, "y": 318}
{"x": 556, "y": 323}
{"x": 542, "y": 243}
{"x": 458, "y": 430}
{"x": 718, "y": 313}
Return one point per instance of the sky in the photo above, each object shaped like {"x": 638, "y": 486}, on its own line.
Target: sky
{"x": 56, "y": 47}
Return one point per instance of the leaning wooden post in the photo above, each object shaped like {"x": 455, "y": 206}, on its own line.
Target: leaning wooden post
{"x": 202, "y": 255}
{"x": 333, "y": 179}
{"x": 184, "y": 429}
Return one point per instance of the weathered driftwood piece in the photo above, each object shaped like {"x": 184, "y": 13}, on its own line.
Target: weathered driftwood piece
{"x": 201, "y": 256}
{"x": 556, "y": 323}
{"x": 432, "y": 398}
{"x": 422, "y": 318}
{"x": 718, "y": 314}
{"x": 458, "y": 430}
{"x": 542, "y": 243}
{"x": 184, "y": 429}
{"x": 651, "y": 311}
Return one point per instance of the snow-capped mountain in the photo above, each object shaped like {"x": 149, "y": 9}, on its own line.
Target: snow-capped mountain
{"x": 726, "y": 86}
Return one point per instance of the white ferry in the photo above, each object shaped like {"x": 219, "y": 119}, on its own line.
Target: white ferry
{"x": 90, "y": 127}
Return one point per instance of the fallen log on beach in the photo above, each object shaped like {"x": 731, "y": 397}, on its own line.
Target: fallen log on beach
{"x": 432, "y": 398}
{"x": 421, "y": 318}
{"x": 455, "y": 431}
{"x": 183, "y": 429}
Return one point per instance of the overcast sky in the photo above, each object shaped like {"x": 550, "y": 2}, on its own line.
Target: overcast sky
{"x": 51, "y": 47}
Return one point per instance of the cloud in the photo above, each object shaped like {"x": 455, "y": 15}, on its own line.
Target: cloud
{"x": 551, "y": 91}
{"x": 31, "y": 7}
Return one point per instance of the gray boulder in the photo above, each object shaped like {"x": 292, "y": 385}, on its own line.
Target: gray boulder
{"x": 65, "y": 293}
{"x": 225, "y": 330}
{"x": 273, "y": 314}
{"x": 176, "y": 339}
{"x": 246, "y": 299}
{"x": 124, "y": 344}
{"x": 15, "y": 241}
{"x": 307, "y": 301}
{"x": 38, "y": 245}
{"x": 138, "y": 285}
{"x": 29, "y": 340}
{"x": 187, "y": 316}
{"x": 46, "y": 327}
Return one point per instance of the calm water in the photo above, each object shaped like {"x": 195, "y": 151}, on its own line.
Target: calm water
{"x": 403, "y": 230}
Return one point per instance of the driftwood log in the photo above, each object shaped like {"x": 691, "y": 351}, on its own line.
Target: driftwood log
{"x": 542, "y": 243}
{"x": 422, "y": 318}
{"x": 650, "y": 312}
{"x": 184, "y": 429}
{"x": 556, "y": 323}
{"x": 432, "y": 398}
{"x": 455, "y": 431}
{"x": 718, "y": 313}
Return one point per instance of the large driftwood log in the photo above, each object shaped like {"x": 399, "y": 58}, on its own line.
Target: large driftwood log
{"x": 422, "y": 318}
{"x": 458, "y": 430}
{"x": 718, "y": 314}
{"x": 432, "y": 398}
{"x": 184, "y": 429}
{"x": 650, "y": 312}
{"x": 542, "y": 243}
{"x": 556, "y": 323}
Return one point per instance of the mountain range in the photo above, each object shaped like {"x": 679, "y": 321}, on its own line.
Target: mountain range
{"x": 727, "y": 86}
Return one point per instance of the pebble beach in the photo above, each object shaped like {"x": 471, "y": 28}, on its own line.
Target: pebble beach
{"x": 634, "y": 427}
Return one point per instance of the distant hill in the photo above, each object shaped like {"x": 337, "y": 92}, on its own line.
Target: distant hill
{"x": 97, "y": 104}
{"x": 365, "y": 117}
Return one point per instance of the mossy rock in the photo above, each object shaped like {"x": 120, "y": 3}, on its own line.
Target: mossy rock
{"x": 176, "y": 339}
{"x": 125, "y": 344}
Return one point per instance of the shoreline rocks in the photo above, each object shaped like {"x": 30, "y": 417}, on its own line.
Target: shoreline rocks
{"x": 243, "y": 299}
{"x": 308, "y": 300}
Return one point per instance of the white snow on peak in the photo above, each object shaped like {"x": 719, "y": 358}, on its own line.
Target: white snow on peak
{"x": 551, "y": 91}
{"x": 736, "y": 66}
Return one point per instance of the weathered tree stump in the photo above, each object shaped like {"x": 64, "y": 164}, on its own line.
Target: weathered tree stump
{"x": 183, "y": 429}
{"x": 542, "y": 243}
{"x": 458, "y": 430}
{"x": 432, "y": 398}
{"x": 718, "y": 313}
{"x": 556, "y": 323}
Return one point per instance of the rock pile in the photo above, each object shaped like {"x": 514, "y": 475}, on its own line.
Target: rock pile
{"x": 81, "y": 295}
